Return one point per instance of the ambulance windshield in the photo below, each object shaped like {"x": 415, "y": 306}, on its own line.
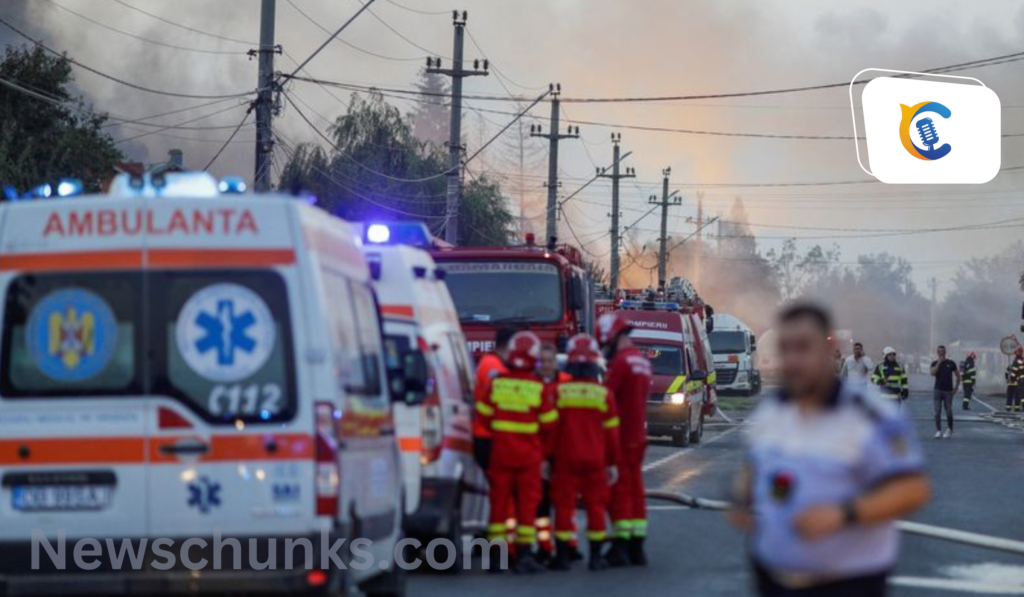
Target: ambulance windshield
{"x": 497, "y": 292}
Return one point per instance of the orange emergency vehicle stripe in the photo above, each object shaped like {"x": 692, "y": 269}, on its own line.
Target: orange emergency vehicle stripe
{"x": 133, "y": 259}
{"x": 73, "y": 450}
{"x": 458, "y": 444}
{"x": 397, "y": 311}
{"x": 410, "y": 444}
{"x": 132, "y": 450}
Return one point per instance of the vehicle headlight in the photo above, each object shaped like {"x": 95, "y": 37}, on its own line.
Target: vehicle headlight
{"x": 678, "y": 398}
{"x": 741, "y": 377}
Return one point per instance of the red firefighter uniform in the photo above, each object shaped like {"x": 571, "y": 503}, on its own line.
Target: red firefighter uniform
{"x": 629, "y": 380}
{"x": 584, "y": 446}
{"x": 490, "y": 367}
{"x": 518, "y": 418}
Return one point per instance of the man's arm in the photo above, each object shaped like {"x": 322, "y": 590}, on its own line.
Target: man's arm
{"x": 891, "y": 500}
{"x": 935, "y": 368}
{"x": 740, "y": 514}
{"x": 956, "y": 386}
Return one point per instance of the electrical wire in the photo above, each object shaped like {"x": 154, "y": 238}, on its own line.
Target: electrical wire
{"x": 331, "y": 37}
{"x": 428, "y": 13}
{"x": 347, "y": 43}
{"x": 139, "y": 37}
{"x": 402, "y": 35}
{"x": 185, "y": 27}
{"x": 117, "y": 80}
{"x": 178, "y": 125}
{"x": 229, "y": 139}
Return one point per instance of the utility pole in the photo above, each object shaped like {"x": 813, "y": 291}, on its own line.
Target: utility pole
{"x": 265, "y": 96}
{"x": 553, "y": 138}
{"x": 699, "y": 264}
{"x": 616, "y": 175}
{"x": 931, "y": 314}
{"x": 666, "y": 201}
{"x": 457, "y": 73}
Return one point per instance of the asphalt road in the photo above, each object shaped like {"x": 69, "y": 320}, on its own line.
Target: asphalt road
{"x": 978, "y": 478}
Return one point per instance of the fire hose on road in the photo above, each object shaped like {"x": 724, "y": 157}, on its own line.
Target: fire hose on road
{"x": 906, "y": 526}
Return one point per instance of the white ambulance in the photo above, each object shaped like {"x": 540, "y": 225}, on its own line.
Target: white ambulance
{"x": 198, "y": 367}
{"x": 445, "y": 489}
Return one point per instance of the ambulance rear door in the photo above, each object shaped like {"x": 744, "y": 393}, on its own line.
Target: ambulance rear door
{"x": 73, "y": 436}
{"x": 232, "y": 444}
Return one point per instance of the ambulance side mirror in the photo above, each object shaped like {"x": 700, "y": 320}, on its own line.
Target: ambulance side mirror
{"x": 698, "y": 375}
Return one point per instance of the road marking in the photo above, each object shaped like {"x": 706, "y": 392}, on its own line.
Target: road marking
{"x": 677, "y": 507}
{"x": 960, "y": 586}
{"x": 985, "y": 404}
{"x": 663, "y": 461}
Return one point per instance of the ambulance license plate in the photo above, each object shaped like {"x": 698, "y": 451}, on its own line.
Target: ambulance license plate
{"x": 44, "y": 498}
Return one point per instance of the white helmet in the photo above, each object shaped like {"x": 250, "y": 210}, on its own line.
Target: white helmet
{"x": 888, "y": 351}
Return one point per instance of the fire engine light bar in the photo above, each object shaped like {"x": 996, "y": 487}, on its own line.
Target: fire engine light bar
{"x": 650, "y": 305}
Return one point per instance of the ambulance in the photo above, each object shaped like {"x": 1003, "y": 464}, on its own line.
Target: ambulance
{"x": 445, "y": 489}
{"x": 201, "y": 367}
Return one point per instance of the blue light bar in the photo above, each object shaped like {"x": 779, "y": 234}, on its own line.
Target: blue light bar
{"x": 650, "y": 305}
{"x": 69, "y": 187}
{"x": 232, "y": 185}
{"x": 378, "y": 234}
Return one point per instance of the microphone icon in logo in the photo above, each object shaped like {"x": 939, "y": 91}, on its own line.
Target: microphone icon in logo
{"x": 926, "y": 129}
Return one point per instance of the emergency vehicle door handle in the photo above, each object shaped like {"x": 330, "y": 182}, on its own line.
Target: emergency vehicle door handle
{"x": 185, "y": 448}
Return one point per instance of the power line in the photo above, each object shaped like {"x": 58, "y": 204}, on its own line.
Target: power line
{"x": 185, "y": 27}
{"x": 179, "y": 125}
{"x": 402, "y": 35}
{"x": 229, "y": 139}
{"x": 117, "y": 80}
{"x": 139, "y": 37}
{"x": 330, "y": 38}
{"x": 429, "y": 13}
{"x": 348, "y": 43}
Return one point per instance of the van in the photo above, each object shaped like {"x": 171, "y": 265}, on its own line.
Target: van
{"x": 680, "y": 395}
{"x": 445, "y": 489}
{"x": 198, "y": 367}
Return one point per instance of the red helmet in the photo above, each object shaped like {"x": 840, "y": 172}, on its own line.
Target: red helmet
{"x": 584, "y": 349}
{"x": 611, "y": 326}
{"x": 523, "y": 351}
{"x": 972, "y": 355}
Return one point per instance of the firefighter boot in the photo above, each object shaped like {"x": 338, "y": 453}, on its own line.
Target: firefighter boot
{"x": 967, "y": 404}
{"x": 618, "y": 554}
{"x": 637, "y": 557}
{"x": 597, "y": 561}
{"x": 562, "y": 560}
{"x": 526, "y": 563}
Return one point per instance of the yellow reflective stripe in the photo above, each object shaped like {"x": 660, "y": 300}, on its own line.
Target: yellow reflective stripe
{"x": 712, "y": 377}
{"x": 693, "y": 386}
{"x": 612, "y": 423}
{"x": 676, "y": 384}
{"x": 515, "y": 427}
{"x": 596, "y": 535}
{"x": 484, "y": 409}
{"x": 518, "y": 395}
{"x": 623, "y": 529}
{"x": 549, "y": 417}
{"x": 565, "y": 535}
{"x": 639, "y": 527}
{"x": 599, "y": 403}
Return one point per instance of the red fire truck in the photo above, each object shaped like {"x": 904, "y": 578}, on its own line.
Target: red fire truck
{"x": 544, "y": 289}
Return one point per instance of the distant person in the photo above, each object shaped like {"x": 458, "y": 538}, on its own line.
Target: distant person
{"x": 945, "y": 372}
{"x": 491, "y": 365}
{"x": 830, "y": 467}
{"x": 547, "y": 370}
{"x": 1014, "y": 380}
{"x": 547, "y": 366}
{"x": 837, "y": 361}
{"x": 970, "y": 377}
{"x": 891, "y": 377}
{"x": 857, "y": 366}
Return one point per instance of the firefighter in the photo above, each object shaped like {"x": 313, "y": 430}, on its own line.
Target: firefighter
{"x": 547, "y": 370}
{"x": 970, "y": 377}
{"x": 517, "y": 417}
{"x": 629, "y": 379}
{"x": 1014, "y": 381}
{"x": 491, "y": 366}
{"x": 585, "y": 451}
{"x": 891, "y": 377}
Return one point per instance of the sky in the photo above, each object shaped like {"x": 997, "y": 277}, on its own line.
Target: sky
{"x": 597, "y": 48}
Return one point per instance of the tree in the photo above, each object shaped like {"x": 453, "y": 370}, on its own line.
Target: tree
{"x": 44, "y": 140}
{"x": 377, "y": 169}
{"x": 984, "y": 302}
{"x": 432, "y": 116}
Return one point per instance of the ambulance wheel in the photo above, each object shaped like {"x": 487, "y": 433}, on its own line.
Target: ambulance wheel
{"x": 681, "y": 437}
{"x": 697, "y": 434}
